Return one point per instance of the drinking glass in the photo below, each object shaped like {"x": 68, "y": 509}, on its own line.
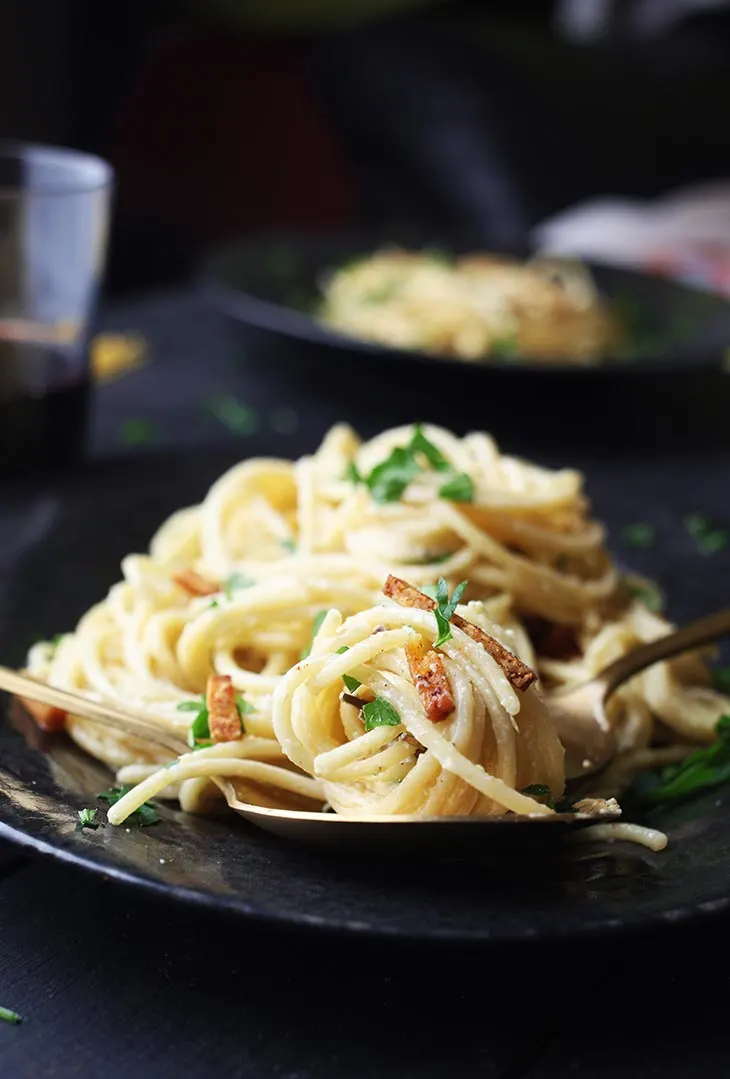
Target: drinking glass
{"x": 54, "y": 210}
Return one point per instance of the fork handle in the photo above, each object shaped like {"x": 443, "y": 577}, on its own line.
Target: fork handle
{"x": 703, "y": 631}
{"x": 25, "y": 685}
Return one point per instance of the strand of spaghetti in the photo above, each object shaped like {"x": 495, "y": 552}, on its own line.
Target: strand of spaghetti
{"x": 213, "y": 766}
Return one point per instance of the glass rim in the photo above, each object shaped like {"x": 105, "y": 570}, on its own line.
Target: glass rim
{"x": 87, "y": 172}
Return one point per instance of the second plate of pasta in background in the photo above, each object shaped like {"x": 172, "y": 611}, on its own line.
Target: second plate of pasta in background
{"x": 444, "y": 303}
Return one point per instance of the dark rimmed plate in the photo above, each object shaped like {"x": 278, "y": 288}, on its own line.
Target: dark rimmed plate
{"x": 272, "y": 284}
{"x": 88, "y": 524}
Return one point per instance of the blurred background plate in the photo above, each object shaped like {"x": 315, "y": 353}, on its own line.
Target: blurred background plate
{"x": 274, "y": 284}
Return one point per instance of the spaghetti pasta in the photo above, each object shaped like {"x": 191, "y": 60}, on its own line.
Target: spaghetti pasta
{"x": 472, "y": 308}
{"x": 286, "y": 607}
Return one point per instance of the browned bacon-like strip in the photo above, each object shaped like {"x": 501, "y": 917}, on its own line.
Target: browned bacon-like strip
{"x": 224, "y": 721}
{"x": 430, "y": 679}
{"x": 47, "y": 717}
{"x": 194, "y": 583}
{"x": 518, "y": 673}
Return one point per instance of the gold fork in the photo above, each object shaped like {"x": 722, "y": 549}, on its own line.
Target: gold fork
{"x": 579, "y": 713}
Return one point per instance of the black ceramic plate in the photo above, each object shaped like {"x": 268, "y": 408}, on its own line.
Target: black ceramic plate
{"x": 272, "y": 285}
{"x": 64, "y": 552}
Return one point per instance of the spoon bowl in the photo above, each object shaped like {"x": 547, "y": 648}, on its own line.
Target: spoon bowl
{"x": 414, "y": 836}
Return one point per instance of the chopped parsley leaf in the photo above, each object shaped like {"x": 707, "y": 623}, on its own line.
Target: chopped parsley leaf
{"x": 199, "y": 732}
{"x": 137, "y": 430}
{"x": 233, "y": 414}
{"x": 445, "y": 608}
{"x": 389, "y": 479}
{"x": 234, "y": 582}
{"x": 316, "y": 625}
{"x": 10, "y": 1017}
{"x": 505, "y": 347}
{"x": 640, "y": 534}
{"x": 87, "y": 819}
{"x": 712, "y": 542}
{"x": 420, "y": 444}
{"x": 351, "y": 683}
{"x": 709, "y": 540}
{"x": 352, "y": 473}
{"x": 381, "y": 293}
{"x": 697, "y": 524}
{"x": 143, "y": 817}
{"x": 213, "y": 603}
{"x": 245, "y": 708}
{"x": 540, "y": 793}
{"x": 379, "y": 713}
{"x": 649, "y": 593}
{"x": 458, "y": 489}
{"x": 704, "y": 768}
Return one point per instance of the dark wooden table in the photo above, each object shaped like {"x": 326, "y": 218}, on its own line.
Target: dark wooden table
{"x": 114, "y": 983}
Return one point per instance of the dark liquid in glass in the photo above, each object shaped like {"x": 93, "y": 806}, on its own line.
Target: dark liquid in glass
{"x": 44, "y": 393}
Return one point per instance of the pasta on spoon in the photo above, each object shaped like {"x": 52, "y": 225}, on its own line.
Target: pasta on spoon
{"x": 282, "y": 566}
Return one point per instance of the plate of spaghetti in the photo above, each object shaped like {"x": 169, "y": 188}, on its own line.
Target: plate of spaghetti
{"x": 374, "y": 630}
{"x": 447, "y": 304}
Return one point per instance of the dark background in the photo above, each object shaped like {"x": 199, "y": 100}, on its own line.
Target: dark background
{"x": 479, "y": 117}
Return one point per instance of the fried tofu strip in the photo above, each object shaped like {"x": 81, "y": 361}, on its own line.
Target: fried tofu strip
{"x": 518, "y": 673}
{"x": 194, "y": 583}
{"x": 46, "y": 716}
{"x": 430, "y": 679}
{"x": 224, "y": 720}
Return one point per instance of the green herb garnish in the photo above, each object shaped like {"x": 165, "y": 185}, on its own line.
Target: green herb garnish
{"x": 87, "y": 819}
{"x": 697, "y": 524}
{"x": 389, "y": 479}
{"x": 504, "y": 347}
{"x": 199, "y": 733}
{"x": 420, "y": 444}
{"x": 640, "y": 534}
{"x": 458, "y": 489}
{"x": 10, "y": 1017}
{"x": 143, "y": 817}
{"x": 709, "y": 540}
{"x": 379, "y": 713}
{"x": 137, "y": 430}
{"x": 381, "y": 293}
{"x": 233, "y": 414}
{"x": 352, "y": 473}
{"x": 213, "y": 603}
{"x": 245, "y": 708}
{"x": 351, "y": 683}
{"x": 288, "y": 545}
{"x": 649, "y": 593}
{"x": 702, "y": 769}
{"x": 540, "y": 793}
{"x": 445, "y": 608}
{"x": 234, "y": 582}
{"x": 316, "y": 625}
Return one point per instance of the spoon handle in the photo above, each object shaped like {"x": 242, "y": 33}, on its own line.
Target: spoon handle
{"x": 703, "y": 631}
{"x": 25, "y": 685}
